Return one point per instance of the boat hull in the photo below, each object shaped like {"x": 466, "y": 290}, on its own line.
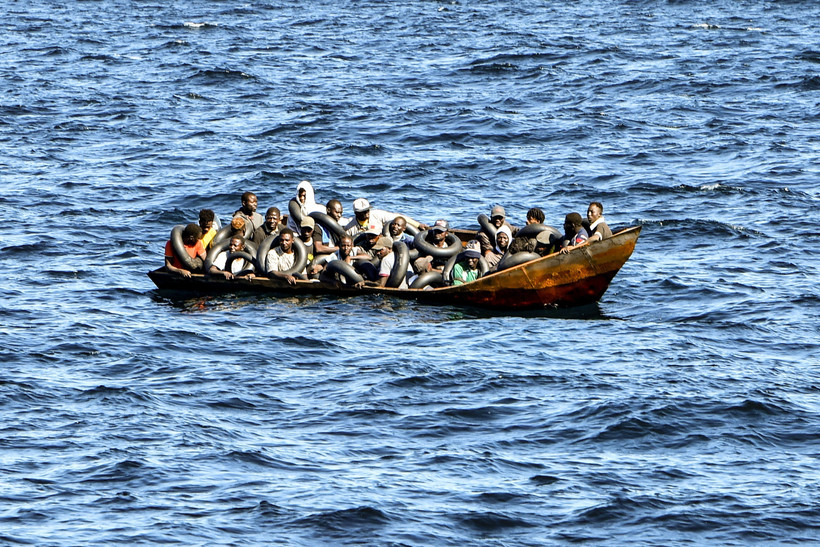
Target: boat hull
{"x": 579, "y": 277}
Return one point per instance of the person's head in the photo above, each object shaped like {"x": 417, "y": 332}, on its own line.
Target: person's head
{"x": 503, "y": 237}
{"x": 472, "y": 253}
{"x": 572, "y": 222}
{"x": 206, "y": 219}
{"x": 286, "y": 240}
{"x": 306, "y": 227}
{"x": 190, "y": 234}
{"x": 594, "y": 211}
{"x": 497, "y": 216}
{"x": 272, "y": 217}
{"x": 334, "y": 209}
{"x": 302, "y": 195}
{"x": 249, "y": 202}
{"x": 236, "y": 244}
{"x": 345, "y": 246}
{"x": 361, "y": 208}
{"x": 238, "y": 226}
{"x": 370, "y": 237}
{"x": 397, "y": 227}
{"x": 382, "y": 246}
{"x": 439, "y": 229}
{"x": 535, "y": 216}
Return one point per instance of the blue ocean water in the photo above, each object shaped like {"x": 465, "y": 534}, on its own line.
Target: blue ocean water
{"x": 681, "y": 409}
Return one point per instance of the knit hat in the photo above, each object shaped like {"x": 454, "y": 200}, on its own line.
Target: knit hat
{"x": 473, "y": 249}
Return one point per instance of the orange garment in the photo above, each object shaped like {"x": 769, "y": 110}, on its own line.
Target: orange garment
{"x": 193, "y": 252}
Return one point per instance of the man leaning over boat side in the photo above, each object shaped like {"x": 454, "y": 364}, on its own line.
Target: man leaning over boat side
{"x": 280, "y": 259}
{"x": 193, "y": 246}
{"x": 249, "y": 214}
{"x": 239, "y": 268}
{"x": 368, "y": 218}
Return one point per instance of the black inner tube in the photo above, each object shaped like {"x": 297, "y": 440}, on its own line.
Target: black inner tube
{"x": 191, "y": 264}
{"x": 402, "y": 261}
{"x": 346, "y": 272}
{"x": 454, "y": 246}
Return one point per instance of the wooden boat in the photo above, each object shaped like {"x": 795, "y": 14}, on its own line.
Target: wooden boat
{"x": 579, "y": 277}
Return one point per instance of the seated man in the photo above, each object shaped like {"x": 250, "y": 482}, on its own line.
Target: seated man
{"x": 598, "y": 229}
{"x": 498, "y": 218}
{"x": 206, "y": 223}
{"x": 334, "y": 210}
{"x": 282, "y": 258}
{"x": 238, "y": 227}
{"x": 237, "y": 265}
{"x": 248, "y": 212}
{"x": 346, "y": 253}
{"x": 193, "y": 246}
{"x": 397, "y": 231}
{"x": 368, "y": 218}
{"x": 575, "y": 234}
{"x": 535, "y": 216}
{"x": 271, "y": 227}
{"x": 502, "y": 242}
{"x": 384, "y": 250}
{"x": 437, "y": 237}
{"x": 466, "y": 269}
{"x": 311, "y": 236}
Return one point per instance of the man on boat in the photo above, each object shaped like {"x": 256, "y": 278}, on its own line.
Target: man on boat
{"x": 437, "y": 237}
{"x": 193, "y": 246}
{"x": 498, "y": 218}
{"x": 466, "y": 269}
{"x": 397, "y": 229}
{"x": 206, "y": 223}
{"x": 311, "y": 236}
{"x": 335, "y": 210}
{"x": 575, "y": 234}
{"x": 271, "y": 227}
{"x": 503, "y": 237}
{"x": 383, "y": 249}
{"x": 248, "y": 212}
{"x": 368, "y": 218}
{"x": 239, "y": 268}
{"x": 598, "y": 229}
{"x": 281, "y": 258}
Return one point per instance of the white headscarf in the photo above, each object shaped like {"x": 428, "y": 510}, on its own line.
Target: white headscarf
{"x": 506, "y": 229}
{"x": 309, "y": 206}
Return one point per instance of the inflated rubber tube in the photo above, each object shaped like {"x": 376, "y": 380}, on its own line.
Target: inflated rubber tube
{"x": 346, "y": 271}
{"x": 295, "y": 210}
{"x": 488, "y": 228}
{"x": 299, "y": 262}
{"x": 190, "y": 264}
{"x": 359, "y": 239}
{"x": 453, "y": 248}
{"x": 250, "y": 250}
{"x": 532, "y": 230}
{"x": 428, "y": 278}
{"x": 262, "y": 253}
{"x": 242, "y": 254}
{"x": 329, "y": 225}
{"x": 447, "y": 271}
{"x": 508, "y": 260}
{"x": 223, "y": 234}
{"x": 400, "y": 265}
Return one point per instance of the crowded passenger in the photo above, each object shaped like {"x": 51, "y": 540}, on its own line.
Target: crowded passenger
{"x": 498, "y": 218}
{"x": 271, "y": 227}
{"x": 282, "y": 258}
{"x": 248, "y": 212}
{"x": 206, "y": 224}
{"x": 437, "y": 237}
{"x": 466, "y": 269}
{"x": 368, "y": 218}
{"x": 575, "y": 234}
{"x": 503, "y": 237}
{"x": 192, "y": 242}
{"x": 535, "y": 216}
{"x": 305, "y": 201}
{"x": 239, "y": 266}
{"x": 398, "y": 231}
{"x": 384, "y": 251}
